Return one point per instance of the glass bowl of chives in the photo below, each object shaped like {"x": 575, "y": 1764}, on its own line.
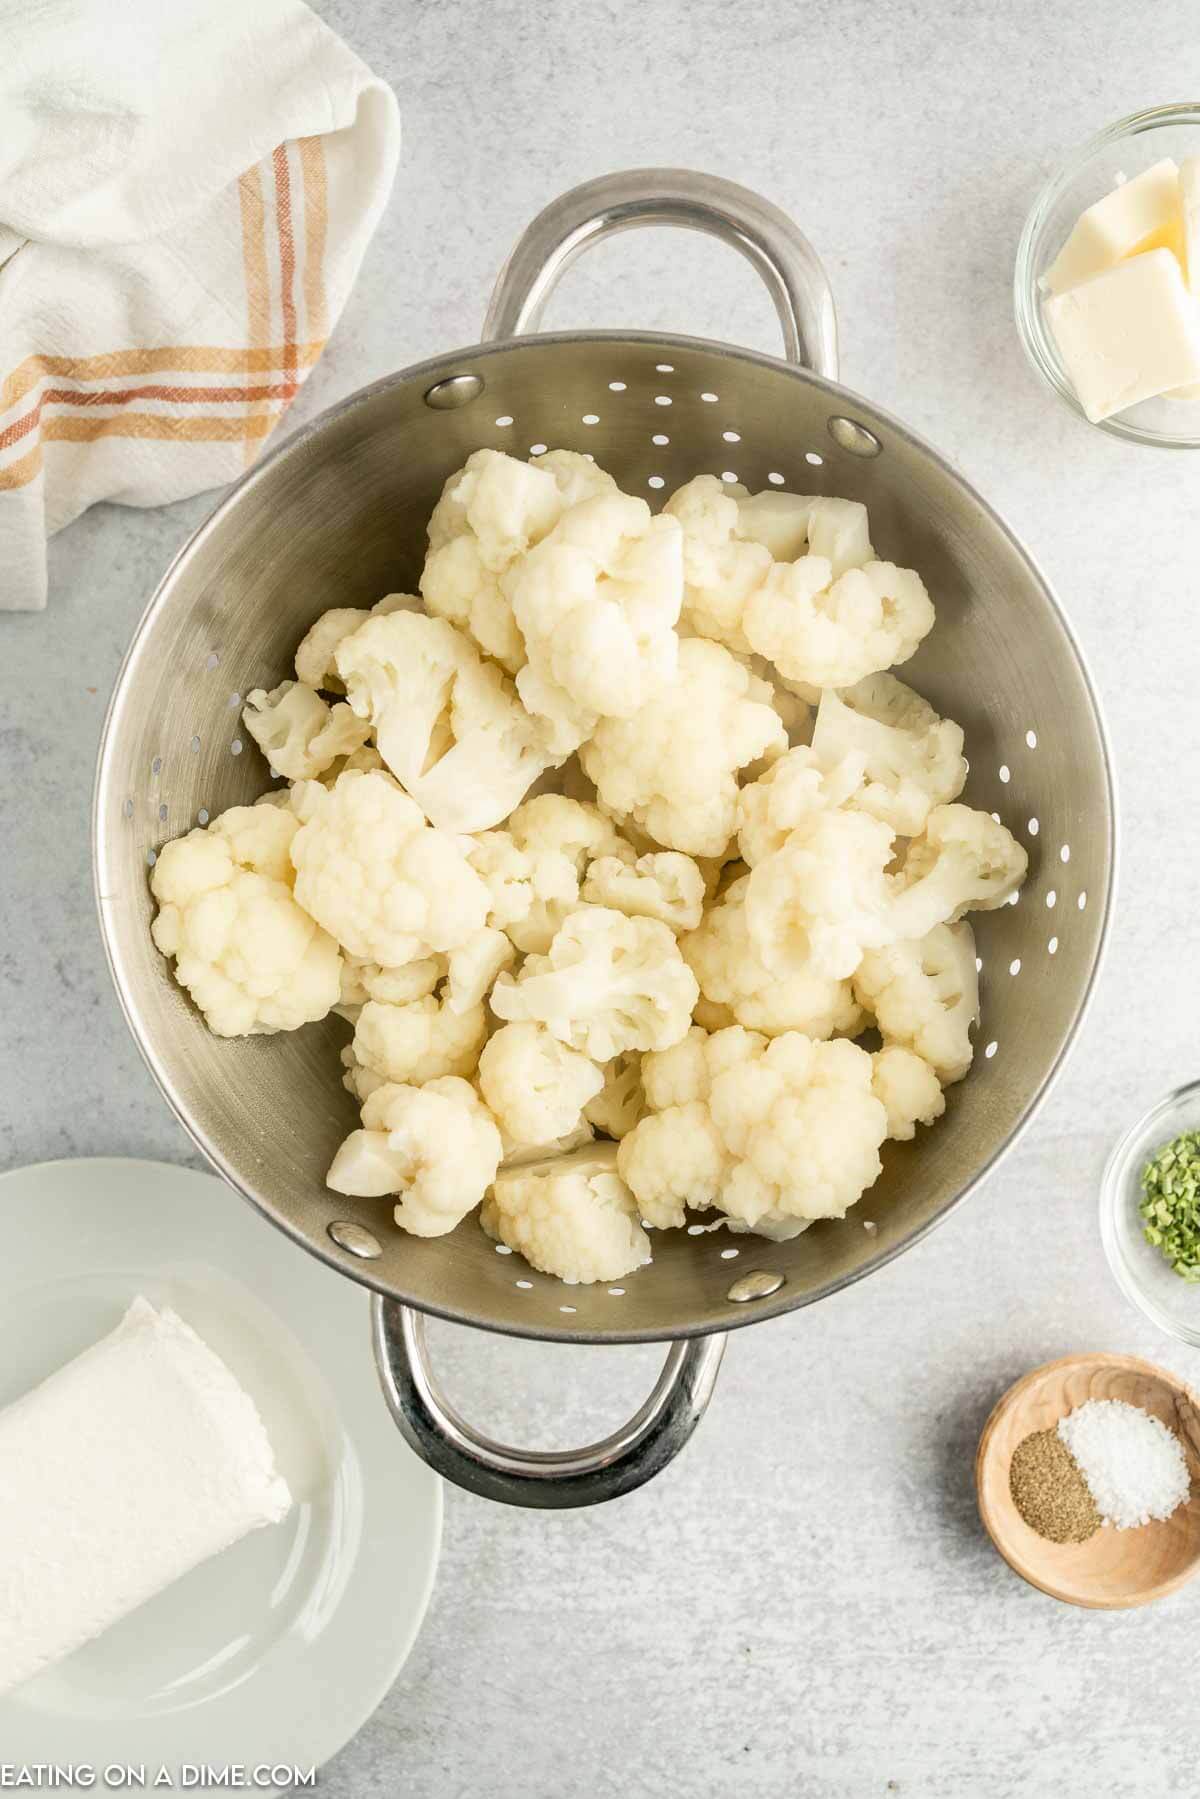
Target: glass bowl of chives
{"x": 1146, "y": 1275}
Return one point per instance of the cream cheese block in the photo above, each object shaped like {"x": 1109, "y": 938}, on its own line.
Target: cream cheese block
{"x": 124, "y": 1470}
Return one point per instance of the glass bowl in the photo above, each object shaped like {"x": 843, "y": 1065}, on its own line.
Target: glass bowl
{"x": 1123, "y": 150}
{"x": 1142, "y": 1273}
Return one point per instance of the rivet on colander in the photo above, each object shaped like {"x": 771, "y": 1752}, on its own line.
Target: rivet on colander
{"x": 355, "y": 1239}
{"x": 849, "y": 435}
{"x": 759, "y": 1283}
{"x": 455, "y": 390}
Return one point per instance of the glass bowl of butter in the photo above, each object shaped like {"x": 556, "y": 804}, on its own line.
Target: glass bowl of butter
{"x": 1107, "y": 287}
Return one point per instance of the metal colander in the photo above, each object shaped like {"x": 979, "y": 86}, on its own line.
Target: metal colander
{"x": 337, "y": 516}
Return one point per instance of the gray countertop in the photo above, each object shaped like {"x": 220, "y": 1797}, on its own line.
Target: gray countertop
{"x": 805, "y": 1602}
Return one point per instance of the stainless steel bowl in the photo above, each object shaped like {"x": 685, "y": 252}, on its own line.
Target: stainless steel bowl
{"x": 336, "y": 516}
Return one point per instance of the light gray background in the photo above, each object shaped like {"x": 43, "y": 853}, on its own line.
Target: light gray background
{"x": 805, "y": 1603}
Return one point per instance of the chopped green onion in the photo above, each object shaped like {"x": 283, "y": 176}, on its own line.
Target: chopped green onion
{"x": 1169, "y": 1205}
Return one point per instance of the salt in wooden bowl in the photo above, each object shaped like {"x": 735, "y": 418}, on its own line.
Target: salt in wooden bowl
{"x": 1113, "y": 1569}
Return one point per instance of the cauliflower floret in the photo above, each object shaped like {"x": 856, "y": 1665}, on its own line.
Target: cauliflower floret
{"x": 608, "y": 984}
{"x": 770, "y": 1132}
{"x": 448, "y": 724}
{"x": 672, "y": 1160}
{"x": 620, "y": 1103}
{"x": 789, "y": 524}
{"x": 419, "y": 1041}
{"x": 738, "y": 987}
{"x": 385, "y": 884}
{"x": 300, "y": 735}
{"x": 771, "y": 808}
{"x": 534, "y": 868}
{"x": 964, "y": 861}
{"x": 576, "y": 476}
{"x": 665, "y": 885}
{"x": 535, "y": 1087}
{"x": 314, "y": 658}
{"x": 358, "y": 1080}
{"x": 516, "y": 1155}
{"x": 437, "y": 1146}
{"x": 505, "y": 504}
{"x": 720, "y": 570}
{"x": 824, "y": 897}
{"x": 572, "y": 1216}
{"x": 472, "y": 968}
{"x": 925, "y": 997}
{"x": 908, "y": 1089}
{"x": 251, "y": 958}
{"x": 363, "y": 980}
{"x": 596, "y": 602}
{"x": 673, "y": 766}
{"x": 832, "y": 632}
{"x": 912, "y": 759}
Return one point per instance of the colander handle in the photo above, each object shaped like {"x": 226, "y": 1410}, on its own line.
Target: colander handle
{"x": 789, "y": 266}
{"x": 617, "y": 1464}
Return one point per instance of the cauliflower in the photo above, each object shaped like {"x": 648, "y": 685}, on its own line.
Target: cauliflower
{"x": 516, "y": 1155}
{"x": 797, "y": 784}
{"x": 448, "y": 724}
{"x": 534, "y": 868}
{"x": 831, "y": 633}
{"x": 300, "y": 735}
{"x": 608, "y": 984}
{"x": 596, "y": 602}
{"x": 665, "y": 885}
{"x": 314, "y": 658}
{"x": 673, "y": 766}
{"x": 535, "y": 1087}
{"x": 912, "y": 759}
{"x": 363, "y": 980}
{"x": 436, "y": 1146}
{"x": 908, "y": 1090}
{"x": 620, "y": 1103}
{"x": 925, "y": 997}
{"x": 380, "y": 880}
{"x": 789, "y": 524}
{"x": 788, "y": 1129}
{"x": 734, "y": 980}
{"x": 251, "y": 958}
{"x": 419, "y": 1041}
{"x": 504, "y": 504}
{"x": 964, "y": 861}
{"x": 472, "y": 968}
{"x": 576, "y": 476}
{"x": 824, "y": 897}
{"x": 720, "y": 570}
{"x": 572, "y": 1216}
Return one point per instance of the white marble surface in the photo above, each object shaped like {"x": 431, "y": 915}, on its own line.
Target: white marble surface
{"x": 805, "y": 1603}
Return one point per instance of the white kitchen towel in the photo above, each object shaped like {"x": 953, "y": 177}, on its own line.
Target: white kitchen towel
{"x": 186, "y": 193}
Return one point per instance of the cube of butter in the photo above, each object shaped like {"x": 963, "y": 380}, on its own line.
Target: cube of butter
{"x": 1142, "y": 214}
{"x": 1189, "y": 198}
{"x": 1127, "y": 334}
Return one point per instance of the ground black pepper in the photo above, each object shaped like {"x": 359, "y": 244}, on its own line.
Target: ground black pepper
{"x": 1049, "y": 1491}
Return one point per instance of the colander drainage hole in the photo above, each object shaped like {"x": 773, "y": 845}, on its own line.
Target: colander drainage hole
{"x": 662, "y": 399}
{"x": 162, "y": 815}
{"x": 1033, "y": 827}
{"x": 151, "y": 858}
{"x": 504, "y": 419}
{"x": 1005, "y": 774}
{"x": 727, "y": 1255}
{"x": 235, "y": 748}
{"x": 617, "y": 1292}
{"x": 991, "y": 1049}
{"x": 591, "y": 418}
{"x": 537, "y": 449}
{"x": 775, "y": 480}
{"x": 1052, "y": 946}
{"x": 665, "y": 368}
{"x": 502, "y": 1249}
{"x": 656, "y": 481}
{"x": 811, "y": 456}
{"x": 202, "y": 815}
{"x": 524, "y": 1285}
{"x": 1082, "y": 901}
{"x": 1051, "y": 897}
{"x": 1014, "y": 966}
{"x": 211, "y": 660}
{"x": 235, "y": 700}
{"x": 1031, "y": 739}
{"x": 710, "y": 399}
{"x": 127, "y": 808}
{"x": 195, "y": 746}
{"x": 156, "y": 766}
{"x": 660, "y": 437}
{"x": 616, "y": 387}
{"x": 728, "y": 476}
{"x": 1064, "y": 854}
{"x": 731, "y": 437}
{"x": 566, "y": 1308}
{"x": 979, "y": 965}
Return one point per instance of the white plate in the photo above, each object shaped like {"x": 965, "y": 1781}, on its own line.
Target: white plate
{"x": 277, "y": 1651}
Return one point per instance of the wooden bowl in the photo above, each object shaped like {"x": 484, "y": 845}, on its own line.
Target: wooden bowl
{"x": 1114, "y": 1568}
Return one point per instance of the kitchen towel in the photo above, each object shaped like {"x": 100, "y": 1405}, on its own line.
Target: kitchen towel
{"x": 186, "y": 193}
{"x": 123, "y": 1471}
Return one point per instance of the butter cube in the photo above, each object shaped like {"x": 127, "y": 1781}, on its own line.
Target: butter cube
{"x": 1128, "y": 334}
{"x": 1189, "y": 198}
{"x": 1142, "y": 214}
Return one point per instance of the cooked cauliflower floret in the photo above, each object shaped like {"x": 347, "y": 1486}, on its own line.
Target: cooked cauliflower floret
{"x": 608, "y": 984}
{"x": 789, "y": 524}
{"x": 419, "y": 1041}
{"x": 251, "y": 958}
{"x": 770, "y": 808}
{"x": 299, "y": 734}
{"x": 380, "y": 880}
{"x": 823, "y": 898}
{"x": 908, "y": 1089}
{"x": 576, "y": 476}
{"x": 672, "y": 1160}
{"x": 472, "y": 968}
{"x": 964, "y": 861}
{"x": 596, "y": 602}
{"x": 912, "y": 759}
{"x": 534, "y": 868}
{"x": 664, "y": 885}
{"x": 735, "y": 980}
{"x": 832, "y": 632}
{"x": 720, "y": 568}
{"x": 314, "y": 658}
{"x": 448, "y": 724}
{"x": 673, "y": 766}
{"x": 925, "y": 997}
{"x": 620, "y": 1103}
{"x": 572, "y": 1216}
{"x": 516, "y": 1155}
{"x": 363, "y": 980}
{"x": 505, "y": 504}
{"x": 436, "y": 1146}
{"x": 534, "y": 1086}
